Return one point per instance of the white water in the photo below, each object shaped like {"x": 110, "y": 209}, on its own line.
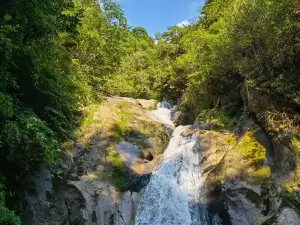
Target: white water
{"x": 173, "y": 195}
{"x": 163, "y": 113}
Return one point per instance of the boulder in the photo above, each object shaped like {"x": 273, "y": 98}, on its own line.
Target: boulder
{"x": 183, "y": 118}
{"x": 288, "y": 217}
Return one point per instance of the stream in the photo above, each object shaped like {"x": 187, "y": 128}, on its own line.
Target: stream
{"x": 173, "y": 195}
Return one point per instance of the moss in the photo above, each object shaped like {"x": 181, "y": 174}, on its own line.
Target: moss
{"x": 68, "y": 145}
{"x": 251, "y": 150}
{"x": 253, "y": 158}
{"x": 230, "y": 140}
{"x": 296, "y": 147}
{"x": 294, "y": 184}
{"x": 119, "y": 176}
{"x": 121, "y": 128}
{"x": 258, "y": 176}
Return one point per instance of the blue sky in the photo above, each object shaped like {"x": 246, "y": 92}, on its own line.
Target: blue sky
{"x": 157, "y": 15}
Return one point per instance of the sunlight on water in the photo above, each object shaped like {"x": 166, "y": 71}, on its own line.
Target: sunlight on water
{"x": 173, "y": 195}
{"x": 163, "y": 113}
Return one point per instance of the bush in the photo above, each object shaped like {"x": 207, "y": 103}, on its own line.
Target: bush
{"x": 7, "y": 217}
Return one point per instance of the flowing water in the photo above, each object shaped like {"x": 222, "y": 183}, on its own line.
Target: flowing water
{"x": 163, "y": 113}
{"x": 173, "y": 195}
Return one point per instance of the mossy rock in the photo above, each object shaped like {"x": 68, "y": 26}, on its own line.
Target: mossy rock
{"x": 119, "y": 174}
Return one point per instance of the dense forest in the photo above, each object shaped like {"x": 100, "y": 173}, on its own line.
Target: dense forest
{"x": 59, "y": 56}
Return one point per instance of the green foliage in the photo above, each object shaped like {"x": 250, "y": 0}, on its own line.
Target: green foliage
{"x": 217, "y": 119}
{"x": 7, "y": 217}
{"x": 137, "y": 73}
{"x": 55, "y": 57}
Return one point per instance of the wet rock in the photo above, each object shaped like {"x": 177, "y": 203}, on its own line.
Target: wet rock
{"x": 124, "y": 210}
{"x": 288, "y": 217}
{"x": 243, "y": 202}
{"x": 140, "y": 182}
{"x": 183, "y": 118}
{"x": 204, "y": 126}
{"x": 147, "y": 104}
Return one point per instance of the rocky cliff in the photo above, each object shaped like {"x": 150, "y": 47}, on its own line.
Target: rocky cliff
{"x": 103, "y": 171}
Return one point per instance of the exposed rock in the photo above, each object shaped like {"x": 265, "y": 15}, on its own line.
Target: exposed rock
{"x": 279, "y": 118}
{"x": 147, "y": 104}
{"x": 183, "y": 118}
{"x": 262, "y": 137}
{"x": 241, "y": 200}
{"x": 285, "y": 160}
{"x": 260, "y": 104}
{"x": 204, "y": 126}
{"x": 128, "y": 152}
{"x": 82, "y": 191}
{"x": 234, "y": 177}
{"x": 288, "y": 217}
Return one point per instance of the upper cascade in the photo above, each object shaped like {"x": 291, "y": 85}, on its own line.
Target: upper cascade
{"x": 164, "y": 105}
{"x": 163, "y": 113}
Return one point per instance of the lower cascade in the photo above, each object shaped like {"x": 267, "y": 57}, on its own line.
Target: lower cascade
{"x": 173, "y": 195}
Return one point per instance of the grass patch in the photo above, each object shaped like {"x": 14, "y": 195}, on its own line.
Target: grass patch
{"x": 119, "y": 176}
{"x": 121, "y": 128}
{"x": 87, "y": 119}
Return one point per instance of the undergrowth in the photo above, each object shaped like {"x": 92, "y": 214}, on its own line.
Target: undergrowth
{"x": 217, "y": 119}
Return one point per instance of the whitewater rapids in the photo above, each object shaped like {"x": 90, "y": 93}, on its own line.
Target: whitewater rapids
{"x": 173, "y": 195}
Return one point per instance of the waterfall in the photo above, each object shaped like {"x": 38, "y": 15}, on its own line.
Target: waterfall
{"x": 173, "y": 195}
{"x": 163, "y": 113}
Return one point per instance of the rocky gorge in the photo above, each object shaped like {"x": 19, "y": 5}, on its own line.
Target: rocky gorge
{"x": 128, "y": 166}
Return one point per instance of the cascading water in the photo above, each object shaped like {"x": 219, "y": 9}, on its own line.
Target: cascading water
{"x": 173, "y": 195}
{"x": 163, "y": 113}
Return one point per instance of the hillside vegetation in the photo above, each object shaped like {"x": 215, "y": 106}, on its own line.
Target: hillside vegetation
{"x": 59, "y": 56}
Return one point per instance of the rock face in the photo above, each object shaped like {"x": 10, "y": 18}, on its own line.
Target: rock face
{"x": 280, "y": 119}
{"x": 288, "y": 217}
{"x": 240, "y": 187}
{"x": 282, "y": 123}
{"x": 86, "y": 188}
{"x": 183, "y": 118}
{"x": 236, "y": 177}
